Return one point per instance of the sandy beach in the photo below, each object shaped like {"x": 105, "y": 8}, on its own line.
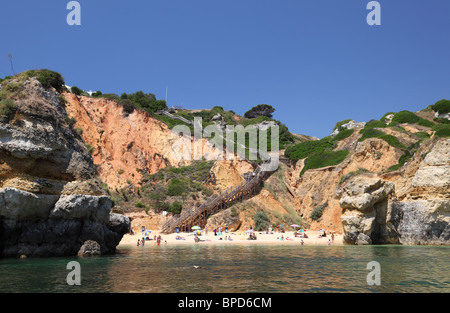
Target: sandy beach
{"x": 236, "y": 238}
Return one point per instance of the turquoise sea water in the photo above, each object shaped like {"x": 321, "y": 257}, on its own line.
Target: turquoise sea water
{"x": 236, "y": 269}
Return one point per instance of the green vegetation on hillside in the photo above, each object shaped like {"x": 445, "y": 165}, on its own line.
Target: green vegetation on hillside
{"x": 324, "y": 159}
{"x": 170, "y": 189}
{"x": 442, "y": 106}
{"x": 7, "y": 107}
{"x": 410, "y": 118}
{"x": 376, "y": 133}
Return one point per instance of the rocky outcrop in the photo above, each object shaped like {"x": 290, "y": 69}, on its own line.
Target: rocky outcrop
{"x": 50, "y": 200}
{"x": 50, "y": 225}
{"x": 373, "y": 214}
{"x": 365, "y": 207}
{"x": 89, "y": 248}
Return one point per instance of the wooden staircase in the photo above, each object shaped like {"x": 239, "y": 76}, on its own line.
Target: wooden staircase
{"x": 197, "y": 216}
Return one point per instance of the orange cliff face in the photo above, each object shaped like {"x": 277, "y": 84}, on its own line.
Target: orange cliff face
{"x": 124, "y": 145}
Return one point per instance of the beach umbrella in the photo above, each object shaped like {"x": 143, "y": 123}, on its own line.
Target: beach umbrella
{"x": 146, "y": 233}
{"x": 294, "y": 225}
{"x": 302, "y": 230}
{"x": 249, "y": 231}
{"x": 196, "y": 227}
{"x": 281, "y": 225}
{"x": 321, "y": 230}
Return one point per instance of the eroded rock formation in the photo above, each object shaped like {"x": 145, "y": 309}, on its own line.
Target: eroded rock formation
{"x": 50, "y": 200}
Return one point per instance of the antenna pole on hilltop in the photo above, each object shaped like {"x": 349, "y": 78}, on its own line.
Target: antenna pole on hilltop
{"x": 10, "y": 61}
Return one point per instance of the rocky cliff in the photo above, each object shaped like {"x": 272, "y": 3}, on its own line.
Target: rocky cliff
{"x": 408, "y": 207}
{"x": 124, "y": 145}
{"x": 394, "y": 175}
{"x": 50, "y": 199}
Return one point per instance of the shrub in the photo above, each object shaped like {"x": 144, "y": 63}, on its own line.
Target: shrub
{"x": 343, "y": 134}
{"x": 48, "y": 79}
{"x": 404, "y": 117}
{"x": 410, "y": 118}
{"x": 443, "y": 131}
{"x": 70, "y": 121}
{"x": 376, "y": 133}
{"x": 375, "y": 124}
{"x": 90, "y": 148}
{"x": 261, "y": 220}
{"x": 140, "y": 205}
{"x": 176, "y": 187}
{"x": 7, "y": 107}
{"x": 304, "y": 149}
{"x": 76, "y": 91}
{"x": 339, "y": 124}
{"x": 393, "y": 141}
{"x": 260, "y": 110}
{"x": 442, "y": 106}
{"x": 323, "y": 159}
{"x": 128, "y": 106}
{"x": 370, "y": 133}
{"x": 176, "y": 207}
{"x": 318, "y": 211}
{"x": 79, "y": 131}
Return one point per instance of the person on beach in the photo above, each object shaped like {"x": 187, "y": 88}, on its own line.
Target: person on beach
{"x": 158, "y": 240}
{"x": 142, "y": 241}
{"x": 329, "y": 241}
{"x": 138, "y": 242}
{"x": 301, "y": 242}
{"x": 332, "y": 237}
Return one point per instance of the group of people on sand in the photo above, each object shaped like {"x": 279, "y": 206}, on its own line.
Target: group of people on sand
{"x": 158, "y": 239}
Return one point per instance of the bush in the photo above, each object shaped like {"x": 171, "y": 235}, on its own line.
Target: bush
{"x": 128, "y": 106}
{"x": 304, "y": 149}
{"x": 393, "y": 141}
{"x": 343, "y": 134}
{"x": 376, "y": 133}
{"x": 140, "y": 205}
{"x": 90, "y": 148}
{"x": 76, "y": 91}
{"x": 443, "y": 130}
{"x": 48, "y": 79}
{"x": 176, "y": 187}
{"x": 318, "y": 211}
{"x": 442, "y": 106}
{"x": 323, "y": 159}
{"x": 404, "y": 117}
{"x": 7, "y": 107}
{"x": 260, "y": 110}
{"x": 410, "y": 118}
{"x": 175, "y": 207}
{"x": 261, "y": 220}
{"x": 339, "y": 124}
{"x": 375, "y": 124}
{"x": 70, "y": 121}
{"x": 145, "y": 101}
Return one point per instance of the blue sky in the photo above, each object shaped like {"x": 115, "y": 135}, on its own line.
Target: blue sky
{"x": 317, "y": 61}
